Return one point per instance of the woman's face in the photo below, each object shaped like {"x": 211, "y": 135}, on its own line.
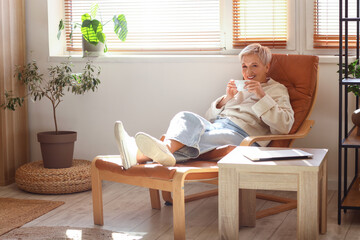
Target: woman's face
{"x": 254, "y": 69}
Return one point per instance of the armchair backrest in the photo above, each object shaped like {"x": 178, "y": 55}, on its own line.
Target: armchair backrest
{"x": 299, "y": 73}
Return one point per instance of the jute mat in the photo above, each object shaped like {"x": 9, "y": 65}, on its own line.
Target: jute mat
{"x": 31, "y": 233}
{"x": 16, "y": 212}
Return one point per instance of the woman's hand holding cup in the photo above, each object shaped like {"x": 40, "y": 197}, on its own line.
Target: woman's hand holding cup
{"x": 231, "y": 89}
{"x": 255, "y": 88}
{"x": 240, "y": 84}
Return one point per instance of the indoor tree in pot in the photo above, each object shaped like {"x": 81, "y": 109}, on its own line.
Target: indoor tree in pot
{"x": 93, "y": 37}
{"x": 57, "y": 147}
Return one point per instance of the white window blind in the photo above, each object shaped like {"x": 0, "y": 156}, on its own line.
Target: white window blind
{"x": 326, "y": 23}
{"x": 153, "y": 25}
{"x": 264, "y": 22}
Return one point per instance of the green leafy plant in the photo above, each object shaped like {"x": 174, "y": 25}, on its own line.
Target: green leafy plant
{"x": 92, "y": 28}
{"x": 60, "y": 79}
{"x": 354, "y": 72}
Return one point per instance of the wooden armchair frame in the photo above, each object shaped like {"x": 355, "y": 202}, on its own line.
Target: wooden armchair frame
{"x": 171, "y": 180}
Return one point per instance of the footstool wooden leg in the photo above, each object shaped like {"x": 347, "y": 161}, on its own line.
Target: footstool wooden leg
{"x": 178, "y": 207}
{"x": 155, "y": 198}
{"x": 97, "y": 195}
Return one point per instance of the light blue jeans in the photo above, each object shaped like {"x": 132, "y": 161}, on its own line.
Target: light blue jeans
{"x": 200, "y": 136}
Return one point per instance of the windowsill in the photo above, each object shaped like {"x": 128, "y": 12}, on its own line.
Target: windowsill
{"x": 332, "y": 59}
{"x": 203, "y": 56}
{"x": 173, "y": 58}
{"x": 149, "y": 58}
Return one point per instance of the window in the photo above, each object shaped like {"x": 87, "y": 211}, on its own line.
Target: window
{"x": 156, "y": 25}
{"x": 181, "y": 26}
{"x": 326, "y": 23}
{"x": 265, "y": 22}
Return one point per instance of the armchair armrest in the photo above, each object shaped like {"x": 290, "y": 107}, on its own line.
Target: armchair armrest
{"x": 301, "y": 133}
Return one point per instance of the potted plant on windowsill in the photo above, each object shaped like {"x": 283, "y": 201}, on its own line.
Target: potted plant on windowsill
{"x": 57, "y": 147}
{"x": 93, "y": 37}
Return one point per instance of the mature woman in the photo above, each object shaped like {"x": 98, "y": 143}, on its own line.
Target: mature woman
{"x": 262, "y": 108}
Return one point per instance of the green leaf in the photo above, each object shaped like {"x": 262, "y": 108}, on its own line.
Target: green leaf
{"x": 86, "y": 24}
{"x": 101, "y": 37}
{"x": 89, "y": 30}
{"x": 120, "y": 27}
{"x": 93, "y": 9}
{"x": 95, "y": 25}
{"x": 85, "y": 16}
{"x": 61, "y": 27}
{"x": 354, "y": 89}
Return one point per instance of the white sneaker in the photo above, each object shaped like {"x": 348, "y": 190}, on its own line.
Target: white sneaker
{"x": 126, "y": 144}
{"x": 154, "y": 149}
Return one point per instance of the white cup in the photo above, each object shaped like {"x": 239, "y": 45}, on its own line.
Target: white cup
{"x": 240, "y": 84}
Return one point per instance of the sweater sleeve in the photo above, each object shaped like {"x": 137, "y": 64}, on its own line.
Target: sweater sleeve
{"x": 275, "y": 110}
{"x": 213, "y": 112}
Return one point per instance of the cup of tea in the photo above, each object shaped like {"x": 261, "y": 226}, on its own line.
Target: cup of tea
{"x": 240, "y": 84}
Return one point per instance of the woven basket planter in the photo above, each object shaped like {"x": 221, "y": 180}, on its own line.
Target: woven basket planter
{"x": 33, "y": 177}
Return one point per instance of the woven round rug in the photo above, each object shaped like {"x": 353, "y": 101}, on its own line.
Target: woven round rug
{"x": 33, "y": 177}
{"x": 60, "y": 232}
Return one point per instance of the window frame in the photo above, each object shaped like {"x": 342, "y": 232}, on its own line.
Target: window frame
{"x": 308, "y": 40}
{"x": 300, "y": 16}
{"x": 228, "y": 21}
{"x": 154, "y": 26}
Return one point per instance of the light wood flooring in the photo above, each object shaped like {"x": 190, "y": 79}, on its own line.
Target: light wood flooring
{"x": 127, "y": 209}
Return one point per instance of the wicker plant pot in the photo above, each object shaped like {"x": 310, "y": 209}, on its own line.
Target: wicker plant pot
{"x": 57, "y": 150}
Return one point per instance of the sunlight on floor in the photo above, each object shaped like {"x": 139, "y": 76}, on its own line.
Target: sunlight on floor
{"x": 125, "y": 236}
{"x": 74, "y": 234}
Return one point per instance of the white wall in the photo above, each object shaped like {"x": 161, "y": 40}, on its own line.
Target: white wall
{"x": 146, "y": 92}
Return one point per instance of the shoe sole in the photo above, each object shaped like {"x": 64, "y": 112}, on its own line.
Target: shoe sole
{"x": 151, "y": 149}
{"x": 119, "y": 132}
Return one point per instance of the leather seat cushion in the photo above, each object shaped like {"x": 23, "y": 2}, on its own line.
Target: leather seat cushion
{"x": 155, "y": 170}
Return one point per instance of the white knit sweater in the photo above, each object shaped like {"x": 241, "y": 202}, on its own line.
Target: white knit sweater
{"x": 271, "y": 114}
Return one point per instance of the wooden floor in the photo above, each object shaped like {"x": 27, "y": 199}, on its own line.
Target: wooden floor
{"x": 127, "y": 209}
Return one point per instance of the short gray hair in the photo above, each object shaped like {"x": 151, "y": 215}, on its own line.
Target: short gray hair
{"x": 262, "y": 52}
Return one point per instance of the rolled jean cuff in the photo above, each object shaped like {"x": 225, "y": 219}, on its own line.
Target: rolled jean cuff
{"x": 186, "y": 128}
